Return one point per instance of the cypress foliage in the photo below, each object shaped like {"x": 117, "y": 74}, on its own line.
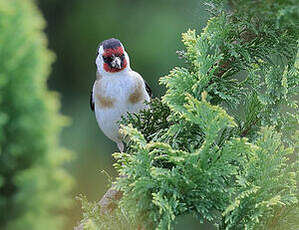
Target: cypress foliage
{"x": 33, "y": 184}
{"x": 220, "y": 144}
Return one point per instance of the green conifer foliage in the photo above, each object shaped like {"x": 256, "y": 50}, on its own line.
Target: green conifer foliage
{"x": 33, "y": 184}
{"x": 220, "y": 144}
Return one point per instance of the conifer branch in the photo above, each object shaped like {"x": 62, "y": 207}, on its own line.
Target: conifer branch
{"x": 245, "y": 132}
{"x": 187, "y": 155}
{"x": 108, "y": 201}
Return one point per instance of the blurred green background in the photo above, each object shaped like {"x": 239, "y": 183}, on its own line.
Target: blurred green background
{"x": 151, "y": 33}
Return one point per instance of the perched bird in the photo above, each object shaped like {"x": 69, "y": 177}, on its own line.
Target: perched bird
{"x": 117, "y": 89}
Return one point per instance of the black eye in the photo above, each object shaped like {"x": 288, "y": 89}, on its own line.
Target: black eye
{"x": 106, "y": 59}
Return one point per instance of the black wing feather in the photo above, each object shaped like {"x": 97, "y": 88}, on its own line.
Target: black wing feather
{"x": 148, "y": 89}
{"x": 91, "y": 102}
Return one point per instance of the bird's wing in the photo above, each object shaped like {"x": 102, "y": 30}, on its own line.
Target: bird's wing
{"x": 148, "y": 89}
{"x": 91, "y": 100}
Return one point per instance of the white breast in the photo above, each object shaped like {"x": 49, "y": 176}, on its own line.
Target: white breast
{"x": 111, "y": 95}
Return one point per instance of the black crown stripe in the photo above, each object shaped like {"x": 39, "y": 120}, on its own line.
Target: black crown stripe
{"x": 110, "y": 43}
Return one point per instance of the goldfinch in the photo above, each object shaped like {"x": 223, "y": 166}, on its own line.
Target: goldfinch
{"x": 117, "y": 89}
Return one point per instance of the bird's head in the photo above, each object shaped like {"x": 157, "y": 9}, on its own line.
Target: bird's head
{"x": 112, "y": 57}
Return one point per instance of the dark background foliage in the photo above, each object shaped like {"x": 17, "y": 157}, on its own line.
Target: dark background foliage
{"x": 151, "y": 32}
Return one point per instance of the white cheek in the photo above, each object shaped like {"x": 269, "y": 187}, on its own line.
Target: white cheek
{"x": 99, "y": 62}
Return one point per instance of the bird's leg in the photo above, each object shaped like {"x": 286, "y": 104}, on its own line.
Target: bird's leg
{"x": 120, "y": 146}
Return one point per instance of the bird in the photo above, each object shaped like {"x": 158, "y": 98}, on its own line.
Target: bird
{"x": 117, "y": 90}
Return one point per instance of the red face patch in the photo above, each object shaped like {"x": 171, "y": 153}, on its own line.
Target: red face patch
{"x": 118, "y": 52}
